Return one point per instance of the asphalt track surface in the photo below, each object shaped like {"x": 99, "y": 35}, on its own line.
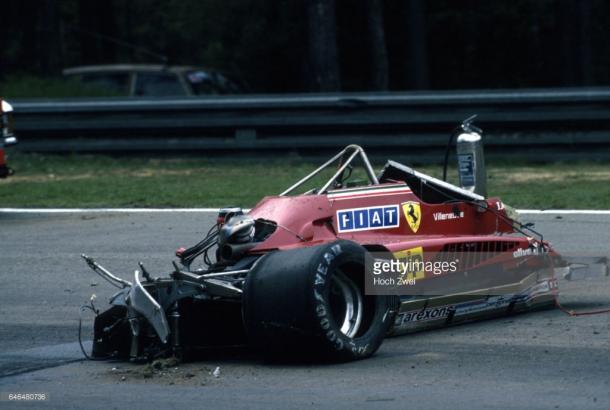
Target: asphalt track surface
{"x": 537, "y": 360}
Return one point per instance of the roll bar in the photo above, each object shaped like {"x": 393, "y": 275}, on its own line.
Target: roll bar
{"x": 353, "y": 151}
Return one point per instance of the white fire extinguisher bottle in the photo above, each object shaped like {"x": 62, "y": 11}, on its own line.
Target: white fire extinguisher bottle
{"x": 471, "y": 161}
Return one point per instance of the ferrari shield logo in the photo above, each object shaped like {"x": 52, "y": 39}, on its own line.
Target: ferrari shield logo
{"x": 412, "y": 212}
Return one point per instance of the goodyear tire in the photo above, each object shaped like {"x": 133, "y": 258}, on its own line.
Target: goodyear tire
{"x": 310, "y": 303}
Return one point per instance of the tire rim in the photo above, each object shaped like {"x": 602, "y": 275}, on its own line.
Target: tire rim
{"x": 346, "y": 304}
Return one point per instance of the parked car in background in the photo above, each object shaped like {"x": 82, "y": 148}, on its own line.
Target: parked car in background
{"x": 142, "y": 80}
{"x": 7, "y": 136}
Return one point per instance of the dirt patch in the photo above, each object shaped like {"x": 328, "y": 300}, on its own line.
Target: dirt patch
{"x": 535, "y": 174}
{"x": 16, "y": 179}
{"x": 141, "y": 173}
{"x": 166, "y": 371}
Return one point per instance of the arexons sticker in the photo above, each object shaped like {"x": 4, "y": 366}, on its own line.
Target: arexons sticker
{"x": 365, "y": 219}
{"x": 423, "y": 315}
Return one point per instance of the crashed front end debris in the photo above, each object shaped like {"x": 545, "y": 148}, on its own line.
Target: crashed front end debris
{"x": 157, "y": 317}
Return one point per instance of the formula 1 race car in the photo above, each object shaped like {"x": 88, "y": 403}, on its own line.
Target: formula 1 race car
{"x": 301, "y": 275}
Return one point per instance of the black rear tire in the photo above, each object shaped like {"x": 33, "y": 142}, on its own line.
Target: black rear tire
{"x": 310, "y": 303}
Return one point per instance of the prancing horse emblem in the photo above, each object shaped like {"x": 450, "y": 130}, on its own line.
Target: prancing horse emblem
{"x": 412, "y": 212}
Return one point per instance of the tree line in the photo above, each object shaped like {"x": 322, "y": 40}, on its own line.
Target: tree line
{"x": 321, "y": 45}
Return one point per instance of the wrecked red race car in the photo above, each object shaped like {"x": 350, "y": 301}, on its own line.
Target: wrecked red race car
{"x": 329, "y": 273}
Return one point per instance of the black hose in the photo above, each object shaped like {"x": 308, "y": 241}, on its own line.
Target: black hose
{"x": 80, "y": 328}
{"x": 449, "y": 143}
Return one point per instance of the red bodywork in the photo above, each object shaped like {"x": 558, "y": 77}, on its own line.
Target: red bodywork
{"x": 480, "y": 232}
{"x": 307, "y": 220}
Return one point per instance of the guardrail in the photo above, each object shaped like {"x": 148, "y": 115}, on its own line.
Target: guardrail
{"x": 552, "y": 121}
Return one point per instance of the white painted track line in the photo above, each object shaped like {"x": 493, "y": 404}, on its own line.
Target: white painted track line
{"x": 565, "y": 211}
{"x": 101, "y": 210}
{"x": 214, "y": 210}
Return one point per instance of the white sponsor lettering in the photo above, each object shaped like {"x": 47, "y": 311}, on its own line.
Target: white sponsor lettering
{"x": 445, "y": 216}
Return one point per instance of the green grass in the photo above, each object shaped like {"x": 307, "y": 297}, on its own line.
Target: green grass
{"x": 100, "y": 181}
